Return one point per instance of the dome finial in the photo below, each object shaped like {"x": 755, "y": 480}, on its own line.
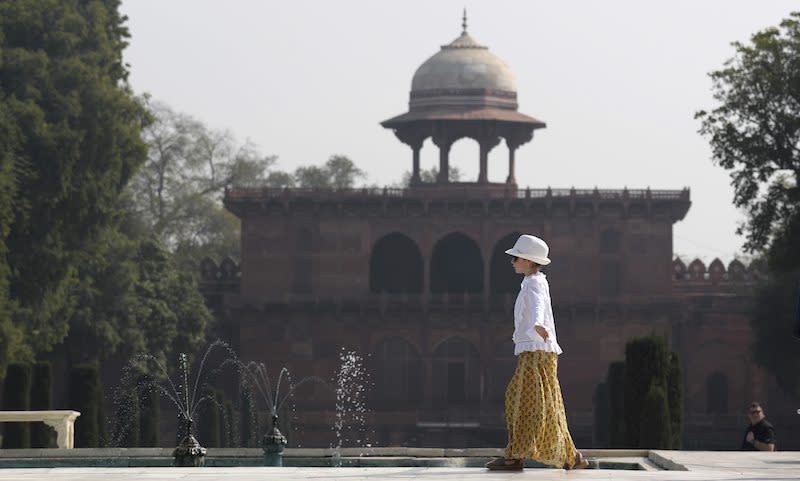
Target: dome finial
{"x": 464, "y": 21}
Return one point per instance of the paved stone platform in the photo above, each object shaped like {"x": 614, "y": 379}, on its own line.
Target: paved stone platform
{"x": 684, "y": 465}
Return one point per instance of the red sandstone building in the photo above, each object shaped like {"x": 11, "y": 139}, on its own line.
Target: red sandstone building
{"x": 416, "y": 281}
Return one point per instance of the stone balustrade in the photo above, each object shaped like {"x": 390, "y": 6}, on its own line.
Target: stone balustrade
{"x": 63, "y": 421}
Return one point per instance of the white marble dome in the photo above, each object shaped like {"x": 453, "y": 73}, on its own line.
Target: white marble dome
{"x": 464, "y": 64}
{"x": 464, "y": 73}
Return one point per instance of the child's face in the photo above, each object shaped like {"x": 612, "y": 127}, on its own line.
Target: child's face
{"x": 522, "y": 266}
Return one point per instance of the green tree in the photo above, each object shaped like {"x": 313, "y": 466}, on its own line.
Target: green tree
{"x": 646, "y": 364}
{"x": 170, "y": 311}
{"x": 12, "y": 344}
{"x": 75, "y": 141}
{"x": 150, "y": 417}
{"x": 130, "y": 298}
{"x": 177, "y": 194}
{"x": 279, "y": 179}
{"x": 86, "y": 396}
{"x": 248, "y": 425}
{"x": 755, "y": 133}
{"x": 16, "y": 397}
{"x": 773, "y": 347}
{"x": 615, "y": 386}
{"x": 429, "y": 175}
{"x": 41, "y": 400}
{"x": 339, "y": 172}
{"x": 127, "y": 421}
{"x": 675, "y": 400}
{"x": 105, "y": 300}
{"x": 655, "y": 427}
{"x": 210, "y": 422}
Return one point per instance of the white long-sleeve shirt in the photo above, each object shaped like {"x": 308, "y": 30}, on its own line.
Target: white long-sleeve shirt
{"x": 533, "y": 308}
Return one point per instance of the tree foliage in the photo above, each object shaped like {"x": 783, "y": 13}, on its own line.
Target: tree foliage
{"x": 773, "y": 346}
{"x": 755, "y": 133}
{"x": 675, "y": 400}
{"x": 12, "y": 343}
{"x": 17, "y": 397}
{"x": 655, "y": 428}
{"x": 615, "y": 382}
{"x": 86, "y": 397}
{"x": 132, "y": 297}
{"x": 177, "y": 194}
{"x": 651, "y": 377}
{"x": 339, "y": 172}
{"x": 646, "y": 363}
{"x": 41, "y": 400}
{"x": 429, "y": 176}
{"x": 73, "y": 142}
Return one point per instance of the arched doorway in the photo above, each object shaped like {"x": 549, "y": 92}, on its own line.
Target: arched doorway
{"x": 398, "y": 374}
{"x": 395, "y": 265}
{"x": 502, "y": 278}
{"x": 456, "y": 265}
{"x": 456, "y": 373}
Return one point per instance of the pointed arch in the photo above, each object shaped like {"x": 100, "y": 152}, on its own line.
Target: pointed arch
{"x": 502, "y": 278}
{"x": 503, "y": 366}
{"x": 456, "y": 372}
{"x": 697, "y": 270}
{"x": 736, "y": 271}
{"x": 678, "y": 269}
{"x": 398, "y": 373}
{"x": 716, "y": 270}
{"x": 456, "y": 265}
{"x": 395, "y": 265}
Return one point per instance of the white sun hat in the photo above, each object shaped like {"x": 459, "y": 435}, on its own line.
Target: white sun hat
{"x": 532, "y": 248}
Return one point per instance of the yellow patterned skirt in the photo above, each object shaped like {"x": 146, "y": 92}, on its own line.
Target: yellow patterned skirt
{"x": 535, "y": 417}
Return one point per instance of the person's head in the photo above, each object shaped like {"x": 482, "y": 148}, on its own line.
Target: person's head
{"x": 524, "y": 266}
{"x": 755, "y": 412}
{"x": 529, "y": 254}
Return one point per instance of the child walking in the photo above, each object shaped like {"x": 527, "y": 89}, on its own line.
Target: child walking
{"x": 535, "y": 417}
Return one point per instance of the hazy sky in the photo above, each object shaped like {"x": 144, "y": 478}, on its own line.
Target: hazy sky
{"x": 617, "y": 82}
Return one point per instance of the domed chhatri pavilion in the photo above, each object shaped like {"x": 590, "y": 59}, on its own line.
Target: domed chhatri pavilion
{"x": 416, "y": 280}
{"x": 463, "y": 91}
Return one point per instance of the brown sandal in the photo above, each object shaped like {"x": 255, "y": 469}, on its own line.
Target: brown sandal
{"x": 580, "y": 462}
{"x": 503, "y": 464}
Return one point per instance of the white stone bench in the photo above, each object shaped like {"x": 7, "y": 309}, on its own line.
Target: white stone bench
{"x": 62, "y": 421}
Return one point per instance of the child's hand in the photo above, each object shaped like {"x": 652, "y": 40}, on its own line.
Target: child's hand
{"x": 542, "y": 332}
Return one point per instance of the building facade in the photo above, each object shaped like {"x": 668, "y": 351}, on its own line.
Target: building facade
{"x": 416, "y": 281}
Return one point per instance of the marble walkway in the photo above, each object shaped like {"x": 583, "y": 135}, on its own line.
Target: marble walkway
{"x": 685, "y": 465}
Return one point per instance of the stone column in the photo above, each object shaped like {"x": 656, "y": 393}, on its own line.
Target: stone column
{"x": 414, "y": 138}
{"x": 444, "y": 142}
{"x": 486, "y": 145}
{"x": 415, "y": 176}
{"x": 514, "y": 139}
{"x": 511, "y": 179}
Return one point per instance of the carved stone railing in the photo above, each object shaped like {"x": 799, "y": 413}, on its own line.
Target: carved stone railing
{"x": 461, "y": 190}
{"x": 468, "y": 199}
{"x": 63, "y": 421}
{"x": 716, "y": 272}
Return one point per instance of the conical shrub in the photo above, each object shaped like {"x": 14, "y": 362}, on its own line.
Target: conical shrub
{"x": 16, "y": 397}
{"x": 84, "y": 394}
{"x": 655, "y": 427}
{"x": 41, "y": 400}
{"x": 646, "y": 363}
